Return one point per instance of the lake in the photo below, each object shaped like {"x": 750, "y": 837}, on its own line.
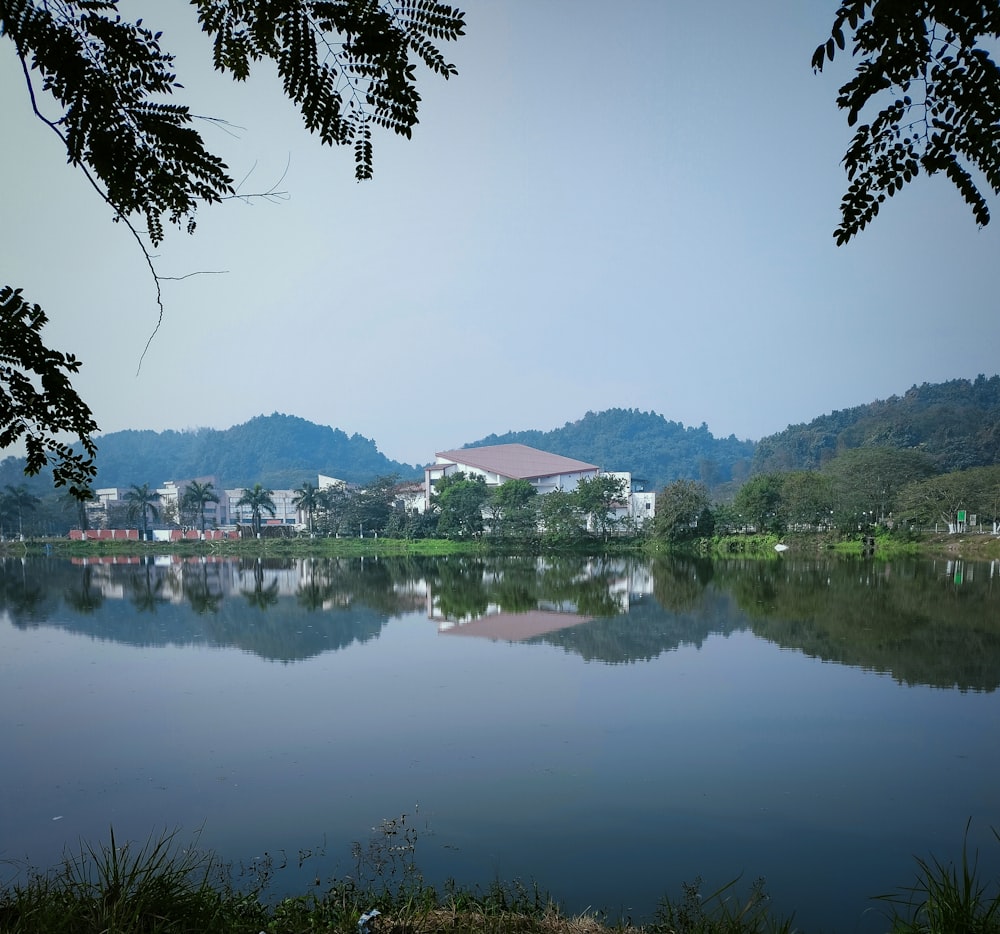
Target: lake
{"x": 609, "y": 728}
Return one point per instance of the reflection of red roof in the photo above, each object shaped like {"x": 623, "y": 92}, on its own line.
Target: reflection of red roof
{"x": 515, "y": 627}
{"x": 516, "y": 461}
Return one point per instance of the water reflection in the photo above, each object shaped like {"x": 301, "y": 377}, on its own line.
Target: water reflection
{"x": 633, "y": 725}
{"x": 923, "y": 622}
{"x": 917, "y": 621}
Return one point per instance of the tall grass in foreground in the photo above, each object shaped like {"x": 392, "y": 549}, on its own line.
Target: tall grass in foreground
{"x": 947, "y": 899}
{"x": 160, "y": 887}
{"x": 153, "y": 887}
{"x": 723, "y": 911}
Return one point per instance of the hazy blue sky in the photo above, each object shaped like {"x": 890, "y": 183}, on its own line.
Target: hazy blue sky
{"x": 621, "y": 204}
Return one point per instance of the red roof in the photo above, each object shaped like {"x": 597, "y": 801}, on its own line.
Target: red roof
{"x": 515, "y": 627}
{"x": 516, "y": 461}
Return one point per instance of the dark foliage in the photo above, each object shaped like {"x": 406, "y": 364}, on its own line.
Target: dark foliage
{"x": 956, "y": 422}
{"x": 37, "y": 402}
{"x": 927, "y": 65}
{"x": 105, "y": 87}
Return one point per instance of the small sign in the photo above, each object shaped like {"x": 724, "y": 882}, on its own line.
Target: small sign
{"x": 961, "y": 515}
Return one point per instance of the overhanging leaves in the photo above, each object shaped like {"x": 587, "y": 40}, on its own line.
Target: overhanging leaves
{"x": 346, "y": 64}
{"x": 37, "y": 401}
{"x": 940, "y": 89}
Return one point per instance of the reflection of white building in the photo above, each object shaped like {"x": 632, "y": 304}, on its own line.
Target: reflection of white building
{"x": 627, "y": 581}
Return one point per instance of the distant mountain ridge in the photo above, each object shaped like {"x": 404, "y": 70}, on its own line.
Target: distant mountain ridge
{"x": 654, "y": 449}
{"x": 957, "y": 422}
{"x": 278, "y": 451}
{"x": 281, "y": 451}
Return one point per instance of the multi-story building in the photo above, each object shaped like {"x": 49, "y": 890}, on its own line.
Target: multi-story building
{"x": 498, "y": 463}
{"x": 546, "y": 472}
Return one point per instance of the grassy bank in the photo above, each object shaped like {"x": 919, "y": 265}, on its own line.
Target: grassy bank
{"x": 161, "y": 887}
{"x": 270, "y": 547}
{"x": 970, "y": 546}
{"x": 881, "y": 546}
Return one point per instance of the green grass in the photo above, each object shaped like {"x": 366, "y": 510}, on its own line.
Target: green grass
{"x": 947, "y": 898}
{"x": 275, "y": 547}
{"x": 724, "y": 911}
{"x": 162, "y": 887}
{"x": 120, "y": 889}
{"x": 971, "y": 546}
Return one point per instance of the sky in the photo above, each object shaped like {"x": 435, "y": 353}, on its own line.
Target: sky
{"x": 612, "y": 205}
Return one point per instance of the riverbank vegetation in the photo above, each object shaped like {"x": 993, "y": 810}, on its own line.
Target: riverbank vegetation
{"x": 164, "y": 887}
{"x": 864, "y": 501}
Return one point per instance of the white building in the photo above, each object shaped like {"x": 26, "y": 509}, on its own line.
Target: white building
{"x": 285, "y": 510}
{"x": 498, "y": 463}
{"x": 637, "y": 505}
{"x": 546, "y": 472}
{"x": 172, "y": 498}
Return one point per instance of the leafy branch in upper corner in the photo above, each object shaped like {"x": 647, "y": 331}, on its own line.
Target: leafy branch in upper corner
{"x": 347, "y": 65}
{"x": 940, "y": 92}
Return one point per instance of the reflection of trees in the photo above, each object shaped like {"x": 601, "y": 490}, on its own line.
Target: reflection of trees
{"x": 378, "y": 583}
{"x": 465, "y": 587}
{"x": 202, "y": 587}
{"x": 585, "y": 583}
{"x": 312, "y": 595}
{"x": 86, "y": 598}
{"x": 648, "y": 631}
{"x": 907, "y": 619}
{"x": 680, "y": 582}
{"x": 146, "y": 587}
{"x": 22, "y": 591}
{"x": 459, "y": 588}
{"x": 261, "y": 597}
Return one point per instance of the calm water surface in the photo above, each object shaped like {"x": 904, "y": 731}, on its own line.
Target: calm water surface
{"x": 607, "y": 728}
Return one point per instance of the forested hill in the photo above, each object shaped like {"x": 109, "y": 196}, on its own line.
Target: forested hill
{"x": 655, "y": 450}
{"x": 278, "y": 451}
{"x": 958, "y": 422}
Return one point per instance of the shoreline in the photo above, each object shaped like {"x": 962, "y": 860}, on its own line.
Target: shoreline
{"x": 882, "y": 546}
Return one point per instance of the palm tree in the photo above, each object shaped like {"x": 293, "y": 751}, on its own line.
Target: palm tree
{"x": 77, "y": 503}
{"x": 261, "y": 597}
{"x": 197, "y": 496}
{"x": 258, "y": 500}
{"x": 307, "y": 498}
{"x": 18, "y": 499}
{"x": 141, "y": 503}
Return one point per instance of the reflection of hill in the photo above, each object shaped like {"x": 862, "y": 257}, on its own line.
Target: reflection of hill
{"x": 600, "y": 609}
{"x": 909, "y": 619}
{"x": 339, "y": 603}
{"x": 906, "y": 619}
{"x": 648, "y": 630}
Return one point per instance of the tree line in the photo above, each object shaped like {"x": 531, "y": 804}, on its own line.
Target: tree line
{"x": 859, "y": 490}
{"x": 464, "y": 508}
